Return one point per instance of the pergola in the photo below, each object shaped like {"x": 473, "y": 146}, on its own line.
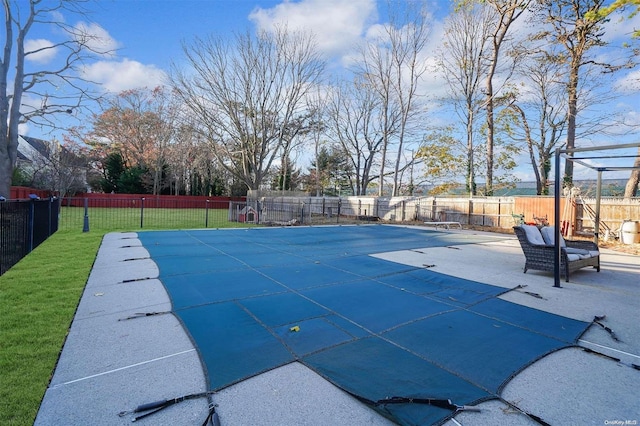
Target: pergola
{"x": 585, "y": 155}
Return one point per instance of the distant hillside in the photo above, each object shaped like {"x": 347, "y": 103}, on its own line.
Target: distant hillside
{"x": 610, "y": 188}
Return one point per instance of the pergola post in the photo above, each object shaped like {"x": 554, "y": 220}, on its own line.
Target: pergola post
{"x": 583, "y": 161}
{"x": 596, "y": 225}
{"x": 556, "y": 228}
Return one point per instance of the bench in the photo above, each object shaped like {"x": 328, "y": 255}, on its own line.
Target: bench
{"x": 445, "y": 224}
{"x": 539, "y": 251}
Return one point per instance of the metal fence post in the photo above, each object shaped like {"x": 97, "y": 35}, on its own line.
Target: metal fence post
{"x": 206, "y": 215}
{"x": 259, "y": 208}
{"x": 142, "y": 213}
{"x": 30, "y": 225}
{"x": 85, "y": 227}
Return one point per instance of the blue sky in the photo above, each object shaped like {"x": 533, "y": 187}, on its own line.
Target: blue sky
{"x": 148, "y": 33}
{"x": 146, "y": 36}
{"x": 151, "y": 31}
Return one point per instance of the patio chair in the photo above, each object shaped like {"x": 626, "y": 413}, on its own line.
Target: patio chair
{"x": 539, "y": 251}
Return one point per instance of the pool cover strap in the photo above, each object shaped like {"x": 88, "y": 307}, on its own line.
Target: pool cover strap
{"x": 446, "y": 404}
{"x": 154, "y": 407}
{"x": 598, "y": 321}
{"x": 441, "y": 403}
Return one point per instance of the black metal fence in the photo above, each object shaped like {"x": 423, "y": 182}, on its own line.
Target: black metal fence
{"x": 24, "y": 225}
{"x": 110, "y": 214}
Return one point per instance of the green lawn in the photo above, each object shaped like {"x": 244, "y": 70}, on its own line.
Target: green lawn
{"x": 39, "y": 296}
{"x": 131, "y": 219}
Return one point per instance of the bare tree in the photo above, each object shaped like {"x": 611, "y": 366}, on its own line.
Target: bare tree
{"x": 376, "y": 67}
{"x": 355, "y": 125}
{"x": 577, "y": 35}
{"x": 392, "y": 64}
{"x": 463, "y": 66}
{"x": 407, "y": 45}
{"x": 59, "y": 89}
{"x": 506, "y": 13}
{"x": 247, "y": 94}
{"x": 540, "y": 113}
{"x": 317, "y": 107}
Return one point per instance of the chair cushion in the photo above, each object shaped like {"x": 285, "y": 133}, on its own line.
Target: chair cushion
{"x": 571, "y": 250}
{"x": 580, "y": 253}
{"x": 533, "y": 234}
{"x": 549, "y": 237}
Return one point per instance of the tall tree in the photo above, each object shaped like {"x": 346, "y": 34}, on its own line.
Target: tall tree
{"x": 329, "y": 172}
{"x": 287, "y": 177}
{"x": 538, "y": 113}
{"x": 393, "y": 64}
{"x": 506, "y": 13}
{"x": 139, "y": 125}
{"x": 55, "y": 90}
{"x": 355, "y": 122}
{"x": 376, "y": 68}
{"x": 567, "y": 27}
{"x": 408, "y": 38}
{"x": 631, "y": 187}
{"x": 463, "y": 65}
{"x": 317, "y": 107}
{"x": 247, "y": 94}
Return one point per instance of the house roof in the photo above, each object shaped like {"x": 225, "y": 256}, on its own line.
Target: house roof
{"x": 29, "y": 147}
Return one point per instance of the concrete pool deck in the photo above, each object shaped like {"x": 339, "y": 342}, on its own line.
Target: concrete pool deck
{"x": 110, "y": 364}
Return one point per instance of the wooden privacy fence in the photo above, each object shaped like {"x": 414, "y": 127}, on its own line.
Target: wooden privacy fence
{"x": 613, "y": 213}
{"x": 497, "y": 212}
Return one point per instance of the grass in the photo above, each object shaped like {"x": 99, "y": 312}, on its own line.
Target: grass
{"x": 130, "y": 219}
{"x": 39, "y": 297}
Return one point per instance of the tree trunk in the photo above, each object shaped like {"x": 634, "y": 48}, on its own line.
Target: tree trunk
{"x": 489, "y": 175}
{"x": 631, "y": 189}
{"x": 5, "y": 176}
{"x": 385, "y": 144}
{"x": 471, "y": 178}
{"x": 571, "y": 123}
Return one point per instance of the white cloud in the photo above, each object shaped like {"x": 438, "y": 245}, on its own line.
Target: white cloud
{"x": 45, "y": 50}
{"x": 621, "y": 27}
{"x": 632, "y": 119}
{"x": 433, "y": 82}
{"x": 337, "y": 24}
{"x": 124, "y": 75}
{"x": 629, "y": 83}
{"x": 96, "y": 38}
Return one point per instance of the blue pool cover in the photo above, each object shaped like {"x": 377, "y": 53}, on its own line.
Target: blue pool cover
{"x": 256, "y": 299}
